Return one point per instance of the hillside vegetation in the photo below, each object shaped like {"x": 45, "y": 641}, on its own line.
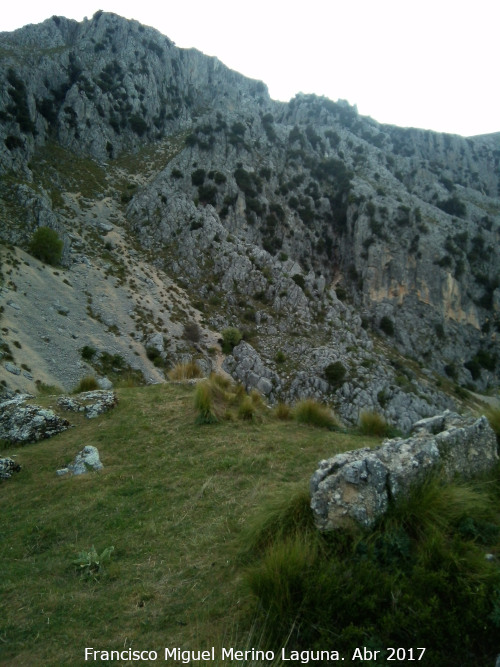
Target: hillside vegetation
{"x": 213, "y": 545}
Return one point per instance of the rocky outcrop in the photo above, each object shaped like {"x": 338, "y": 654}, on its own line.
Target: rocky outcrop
{"x": 21, "y": 423}
{"x": 7, "y": 467}
{"x": 246, "y": 366}
{"x": 86, "y": 460}
{"x": 92, "y": 403}
{"x": 356, "y": 487}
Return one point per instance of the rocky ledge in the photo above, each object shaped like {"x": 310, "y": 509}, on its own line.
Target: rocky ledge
{"x": 356, "y": 487}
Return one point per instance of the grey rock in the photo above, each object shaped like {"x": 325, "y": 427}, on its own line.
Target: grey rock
{"x": 246, "y": 366}
{"x": 86, "y": 460}
{"x": 92, "y": 403}
{"x": 20, "y": 423}
{"x": 356, "y": 486}
{"x": 12, "y": 369}
{"x": 7, "y": 467}
{"x": 105, "y": 383}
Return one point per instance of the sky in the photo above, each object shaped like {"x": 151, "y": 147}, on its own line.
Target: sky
{"x": 428, "y": 64}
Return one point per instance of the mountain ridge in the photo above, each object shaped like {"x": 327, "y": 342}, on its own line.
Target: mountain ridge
{"x": 323, "y": 235}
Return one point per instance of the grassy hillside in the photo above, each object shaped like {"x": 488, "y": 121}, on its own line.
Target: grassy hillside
{"x": 171, "y": 499}
{"x": 185, "y": 508}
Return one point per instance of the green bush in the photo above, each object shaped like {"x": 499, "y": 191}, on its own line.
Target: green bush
{"x": 387, "y": 325}
{"x": 87, "y": 352}
{"x": 230, "y": 338}
{"x": 46, "y": 246}
{"x": 335, "y": 374}
{"x": 313, "y": 413}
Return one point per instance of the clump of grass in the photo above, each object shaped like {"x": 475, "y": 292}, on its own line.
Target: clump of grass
{"x": 313, "y": 413}
{"x": 283, "y": 411}
{"x": 88, "y": 383}
{"x": 44, "y": 389}
{"x": 203, "y": 402}
{"x": 426, "y": 556}
{"x": 219, "y": 398}
{"x": 283, "y": 516}
{"x": 257, "y": 398}
{"x": 246, "y": 409}
{"x": 185, "y": 371}
{"x": 372, "y": 423}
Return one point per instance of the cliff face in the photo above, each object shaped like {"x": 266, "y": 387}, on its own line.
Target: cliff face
{"x": 327, "y": 236}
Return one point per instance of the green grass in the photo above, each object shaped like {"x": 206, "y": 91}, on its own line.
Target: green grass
{"x": 172, "y": 499}
{"x": 420, "y": 578}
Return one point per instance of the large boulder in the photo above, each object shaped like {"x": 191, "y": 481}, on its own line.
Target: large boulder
{"x": 23, "y": 423}
{"x": 7, "y": 467}
{"x": 246, "y": 366}
{"x": 356, "y": 487}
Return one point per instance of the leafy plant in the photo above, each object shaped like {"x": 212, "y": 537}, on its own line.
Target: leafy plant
{"x": 90, "y": 562}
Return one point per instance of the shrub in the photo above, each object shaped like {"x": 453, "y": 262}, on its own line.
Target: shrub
{"x": 87, "y": 352}
{"x": 192, "y": 332}
{"x": 280, "y": 357}
{"x": 387, "y": 325}
{"x": 313, "y": 413}
{"x": 371, "y": 423}
{"x": 299, "y": 280}
{"x": 185, "y": 371}
{"x": 198, "y": 177}
{"x": 230, "y": 338}
{"x": 46, "y": 246}
{"x": 335, "y": 373}
{"x": 88, "y": 383}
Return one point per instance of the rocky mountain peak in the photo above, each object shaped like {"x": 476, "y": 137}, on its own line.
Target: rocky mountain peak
{"x": 323, "y": 236}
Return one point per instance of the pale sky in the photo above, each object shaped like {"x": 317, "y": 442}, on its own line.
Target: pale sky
{"x": 429, "y": 64}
